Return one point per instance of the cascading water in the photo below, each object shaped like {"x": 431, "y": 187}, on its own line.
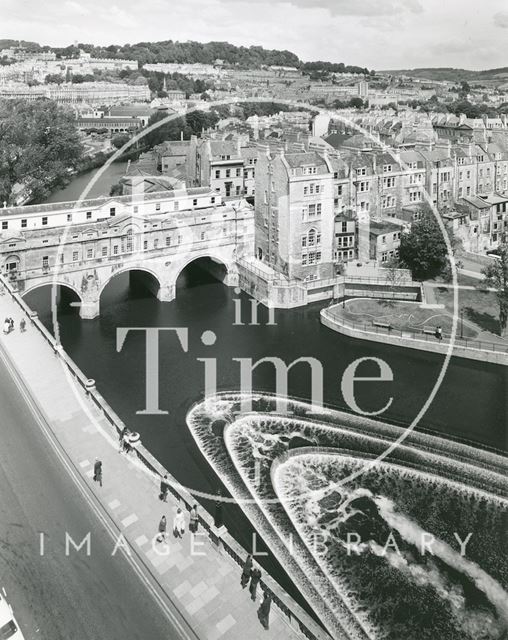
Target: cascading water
{"x": 253, "y": 454}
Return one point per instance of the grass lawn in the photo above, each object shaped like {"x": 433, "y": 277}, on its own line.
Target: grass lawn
{"x": 404, "y": 316}
{"x": 480, "y": 307}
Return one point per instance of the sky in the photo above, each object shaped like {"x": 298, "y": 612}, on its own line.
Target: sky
{"x": 378, "y": 34}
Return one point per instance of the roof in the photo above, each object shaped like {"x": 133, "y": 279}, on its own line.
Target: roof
{"x": 95, "y": 202}
{"x": 379, "y": 228}
{"x": 478, "y": 203}
{"x": 305, "y": 158}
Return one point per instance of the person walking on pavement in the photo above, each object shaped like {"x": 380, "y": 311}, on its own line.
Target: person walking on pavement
{"x": 161, "y": 537}
{"x": 124, "y": 440}
{"x": 194, "y": 519}
{"x": 247, "y": 568}
{"x": 255, "y": 577}
{"x": 22, "y": 325}
{"x": 179, "y": 523}
{"x": 7, "y": 326}
{"x": 264, "y": 611}
{"x": 97, "y": 471}
{"x": 163, "y": 495}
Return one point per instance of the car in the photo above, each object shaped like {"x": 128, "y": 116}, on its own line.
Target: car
{"x": 9, "y": 628}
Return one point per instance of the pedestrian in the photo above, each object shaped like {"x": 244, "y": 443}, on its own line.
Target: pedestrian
{"x": 121, "y": 436}
{"x": 22, "y": 325}
{"x": 11, "y": 321}
{"x": 439, "y": 333}
{"x": 7, "y": 326}
{"x": 163, "y": 495}
{"x": 97, "y": 471}
{"x": 194, "y": 519}
{"x": 255, "y": 577}
{"x": 126, "y": 447}
{"x": 179, "y": 523}
{"x": 247, "y": 568}
{"x": 264, "y": 610}
{"x": 161, "y": 537}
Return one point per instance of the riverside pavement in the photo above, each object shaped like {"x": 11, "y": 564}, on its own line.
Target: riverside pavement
{"x": 204, "y": 588}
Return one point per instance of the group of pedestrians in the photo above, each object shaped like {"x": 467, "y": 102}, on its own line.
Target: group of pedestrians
{"x": 179, "y": 523}
{"x": 9, "y": 325}
{"x": 251, "y": 575}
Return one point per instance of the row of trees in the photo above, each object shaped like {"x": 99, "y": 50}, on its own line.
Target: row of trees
{"x": 39, "y": 144}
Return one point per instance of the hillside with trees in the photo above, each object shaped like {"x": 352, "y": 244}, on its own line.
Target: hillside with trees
{"x": 451, "y": 74}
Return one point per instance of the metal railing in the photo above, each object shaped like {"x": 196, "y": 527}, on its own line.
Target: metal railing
{"x": 410, "y": 334}
{"x": 296, "y": 616}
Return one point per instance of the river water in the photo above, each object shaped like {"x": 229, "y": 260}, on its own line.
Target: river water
{"x": 77, "y": 185}
{"x": 470, "y": 405}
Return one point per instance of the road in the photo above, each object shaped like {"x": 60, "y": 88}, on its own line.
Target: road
{"x": 55, "y": 596}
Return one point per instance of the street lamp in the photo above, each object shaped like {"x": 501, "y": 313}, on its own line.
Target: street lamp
{"x": 462, "y": 322}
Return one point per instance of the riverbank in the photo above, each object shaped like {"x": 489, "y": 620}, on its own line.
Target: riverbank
{"x": 382, "y": 321}
{"x": 74, "y": 189}
{"x": 86, "y": 426}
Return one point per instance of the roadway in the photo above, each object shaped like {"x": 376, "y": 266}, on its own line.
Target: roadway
{"x": 53, "y": 595}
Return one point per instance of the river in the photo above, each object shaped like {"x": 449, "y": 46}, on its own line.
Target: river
{"x": 470, "y": 405}
{"x": 76, "y": 186}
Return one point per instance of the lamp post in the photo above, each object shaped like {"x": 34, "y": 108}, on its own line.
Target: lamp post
{"x": 462, "y": 322}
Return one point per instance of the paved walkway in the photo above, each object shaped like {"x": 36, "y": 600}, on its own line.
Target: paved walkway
{"x": 206, "y": 588}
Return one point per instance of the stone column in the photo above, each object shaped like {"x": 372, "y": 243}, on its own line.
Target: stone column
{"x": 166, "y": 293}
{"x": 89, "y": 309}
{"x": 232, "y": 279}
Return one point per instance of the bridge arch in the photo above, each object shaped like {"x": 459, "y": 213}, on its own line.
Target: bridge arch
{"x": 52, "y": 283}
{"x": 153, "y": 285}
{"x": 219, "y": 267}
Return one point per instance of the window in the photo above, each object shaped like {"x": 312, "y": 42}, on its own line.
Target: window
{"x": 228, "y": 173}
{"x": 415, "y": 196}
{"x": 387, "y": 168}
{"x": 389, "y": 182}
{"x": 45, "y": 262}
{"x": 212, "y": 199}
{"x": 311, "y": 188}
{"x": 177, "y": 205}
{"x": 75, "y": 256}
{"x": 179, "y": 239}
{"x": 157, "y": 206}
{"x": 104, "y": 251}
{"x": 238, "y": 172}
{"x": 69, "y": 217}
{"x": 339, "y": 190}
{"x": 115, "y": 250}
{"x": 88, "y": 215}
{"x": 89, "y": 253}
{"x": 112, "y": 211}
{"x": 168, "y": 241}
{"x": 136, "y": 208}
{"x": 312, "y": 210}
{"x": 194, "y": 202}
{"x": 5, "y": 224}
{"x": 145, "y": 245}
{"x": 156, "y": 243}
{"x": 388, "y": 202}
{"x": 361, "y": 171}
{"x": 23, "y": 223}
{"x": 129, "y": 241}
{"x": 318, "y": 209}
{"x": 363, "y": 186}
{"x": 44, "y": 221}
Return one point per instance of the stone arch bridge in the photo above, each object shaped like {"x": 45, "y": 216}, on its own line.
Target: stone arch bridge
{"x": 85, "y": 258}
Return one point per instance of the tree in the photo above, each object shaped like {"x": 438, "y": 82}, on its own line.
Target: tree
{"x": 39, "y": 143}
{"x": 496, "y": 276}
{"x": 53, "y": 78}
{"x": 119, "y": 140}
{"x": 356, "y": 103}
{"x": 423, "y": 249}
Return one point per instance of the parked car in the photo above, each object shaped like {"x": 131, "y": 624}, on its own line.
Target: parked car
{"x": 9, "y": 628}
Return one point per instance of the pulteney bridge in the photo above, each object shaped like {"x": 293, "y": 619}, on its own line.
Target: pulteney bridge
{"x": 83, "y": 245}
